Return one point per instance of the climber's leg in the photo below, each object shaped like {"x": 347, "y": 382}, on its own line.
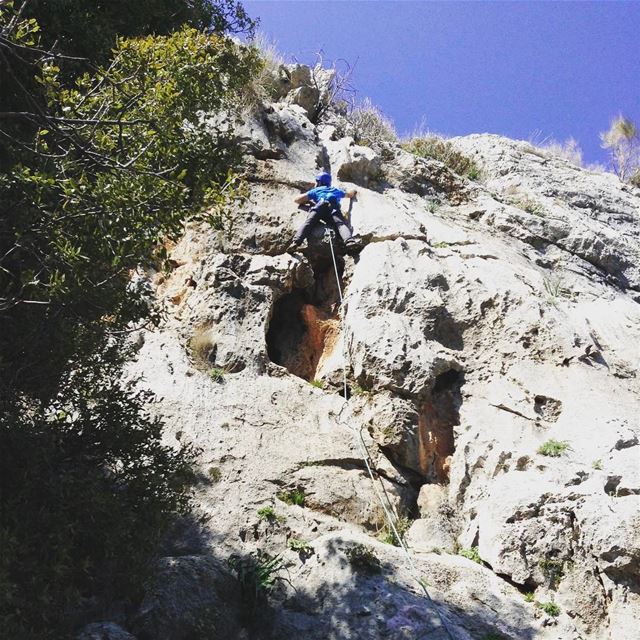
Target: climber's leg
{"x": 341, "y": 226}
{"x": 315, "y": 215}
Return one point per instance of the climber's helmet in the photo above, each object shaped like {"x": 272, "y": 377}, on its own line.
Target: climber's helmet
{"x": 323, "y": 179}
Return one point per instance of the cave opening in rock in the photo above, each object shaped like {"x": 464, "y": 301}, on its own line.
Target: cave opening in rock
{"x": 304, "y": 326}
{"x": 438, "y": 415}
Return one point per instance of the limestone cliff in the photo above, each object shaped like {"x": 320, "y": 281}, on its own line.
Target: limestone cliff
{"x": 485, "y": 324}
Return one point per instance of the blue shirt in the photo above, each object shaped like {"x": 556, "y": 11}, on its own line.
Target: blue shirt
{"x": 325, "y": 193}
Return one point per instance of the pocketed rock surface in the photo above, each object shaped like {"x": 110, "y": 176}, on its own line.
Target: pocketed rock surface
{"x": 483, "y": 325}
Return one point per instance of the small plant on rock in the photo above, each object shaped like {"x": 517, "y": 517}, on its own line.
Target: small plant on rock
{"x": 529, "y": 596}
{"x": 387, "y": 536}
{"x": 318, "y": 384}
{"x": 357, "y": 390}
{"x": 553, "y": 570}
{"x": 364, "y": 559}
{"x": 257, "y": 574}
{"x": 553, "y": 448}
{"x": 471, "y": 554}
{"x": 215, "y": 474}
{"x": 439, "y": 148}
{"x": 597, "y": 465}
{"x": 292, "y": 496}
{"x": 300, "y": 546}
{"x": 217, "y": 374}
{"x": 550, "y": 608}
{"x": 531, "y": 206}
{"x": 269, "y": 513}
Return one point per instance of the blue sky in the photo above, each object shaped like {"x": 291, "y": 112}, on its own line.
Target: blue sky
{"x": 516, "y": 68}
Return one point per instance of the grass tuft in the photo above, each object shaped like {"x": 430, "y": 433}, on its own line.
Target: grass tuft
{"x": 554, "y": 448}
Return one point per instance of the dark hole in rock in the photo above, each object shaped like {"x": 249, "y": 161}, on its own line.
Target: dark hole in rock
{"x": 304, "y": 328}
{"x": 447, "y": 331}
{"x": 548, "y": 409}
{"x": 438, "y": 415}
{"x": 611, "y": 486}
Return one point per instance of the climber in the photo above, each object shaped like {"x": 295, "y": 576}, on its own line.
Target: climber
{"x": 326, "y": 208}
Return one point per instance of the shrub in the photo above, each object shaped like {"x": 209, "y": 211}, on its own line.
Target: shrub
{"x": 471, "y": 554}
{"x": 439, "y": 148}
{"x": 318, "y": 384}
{"x": 530, "y": 206}
{"x": 97, "y": 169}
{"x": 267, "y": 82}
{"x": 215, "y": 474}
{"x": 568, "y": 150}
{"x": 554, "y": 448}
{"x": 363, "y": 559}
{"x": 370, "y": 127}
{"x": 597, "y": 465}
{"x": 622, "y": 140}
{"x": 292, "y": 496}
{"x": 529, "y": 596}
{"x": 257, "y": 574}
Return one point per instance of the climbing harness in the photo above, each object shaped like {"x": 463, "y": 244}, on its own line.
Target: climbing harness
{"x": 385, "y": 502}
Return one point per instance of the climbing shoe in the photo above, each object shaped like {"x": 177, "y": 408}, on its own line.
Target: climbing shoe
{"x": 352, "y": 246}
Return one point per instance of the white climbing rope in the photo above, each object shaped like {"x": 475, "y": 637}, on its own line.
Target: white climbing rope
{"x": 385, "y": 502}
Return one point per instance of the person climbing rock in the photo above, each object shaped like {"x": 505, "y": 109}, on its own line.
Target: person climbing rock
{"x": 326, "y": 208}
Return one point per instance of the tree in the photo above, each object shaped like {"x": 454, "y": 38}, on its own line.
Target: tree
{"x": 622, "y": 140}
{"x": 98, "y": 164}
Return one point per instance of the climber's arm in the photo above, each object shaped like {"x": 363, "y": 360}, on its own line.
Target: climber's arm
{"x": 351, "y": 194}
{"x": 302, "y": 199}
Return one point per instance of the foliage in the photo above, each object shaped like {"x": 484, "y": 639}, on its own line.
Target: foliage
{"x": 257, "y": 574}
{"x": 269, "y": 513}
{"x": 116, "y": 163}
{"x": 300, "y": 546}
{"x": 622, "y": 140}
{"x": 549, "y": 147}
{"x": 553, "y": 448}
{"x": 293, "y": 496}
{"x": 370, "y": 127}
{"x": 471, "y": 554}
{"x": 266, "y": 82}
{"x": 98, "y": 165}
{"x": 529, "y": 596}
{"x": 550, "y": 608}
{"x": 215, "y": 474}
{"x": 84, "y": 501}
{"x": 364, "y": 559}
{"x": 597, "y": 464}
{"x": 65, "y": 21}
{"x": 439, "y": 148}
{"x": 358, "y": 390}
{"x": 555, "y": 288}
{"x": 217, "y": 374}
{"x": 402, "y": 525}
{"x": 530, "y": 206}
{"x": 553, "y": 570}
{"x": 318, "y": 384}
{"x": 635, "y": 179}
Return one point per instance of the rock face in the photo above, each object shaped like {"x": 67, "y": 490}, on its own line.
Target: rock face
{"x": 491, "y": 345}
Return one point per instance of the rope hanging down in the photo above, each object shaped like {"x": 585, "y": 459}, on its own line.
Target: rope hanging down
{"x": 364, "y": 453}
